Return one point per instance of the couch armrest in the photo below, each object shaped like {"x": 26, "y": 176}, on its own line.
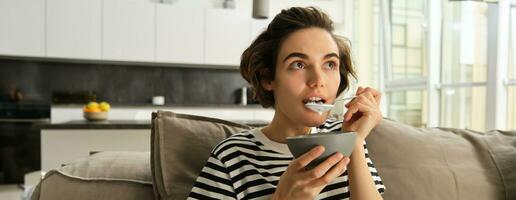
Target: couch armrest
{"x": 105, "y": 175}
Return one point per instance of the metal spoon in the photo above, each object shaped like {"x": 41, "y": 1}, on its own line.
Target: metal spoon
{"x": 320, "y": 107}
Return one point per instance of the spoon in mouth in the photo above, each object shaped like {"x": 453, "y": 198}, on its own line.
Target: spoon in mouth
{"x": 321, "y": 107}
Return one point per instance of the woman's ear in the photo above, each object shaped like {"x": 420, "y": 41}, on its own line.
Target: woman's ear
{"x": 266, "y": 84}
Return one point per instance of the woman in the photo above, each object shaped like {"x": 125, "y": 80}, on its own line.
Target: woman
{"x": 296, "y": 60}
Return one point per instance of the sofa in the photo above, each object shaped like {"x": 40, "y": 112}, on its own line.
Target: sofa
{"x": 414, "y": 163}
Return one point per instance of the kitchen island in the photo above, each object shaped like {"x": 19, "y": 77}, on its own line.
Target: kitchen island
{"x": 106, "y": 124}
{"x": 67, "y": 113}
{"x": 65, "y": 142}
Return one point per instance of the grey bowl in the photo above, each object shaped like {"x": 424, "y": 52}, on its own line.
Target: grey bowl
{"x": 333, "y": 142}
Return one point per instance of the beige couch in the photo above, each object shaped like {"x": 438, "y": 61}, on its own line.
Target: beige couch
{"x": 430, "y": 163}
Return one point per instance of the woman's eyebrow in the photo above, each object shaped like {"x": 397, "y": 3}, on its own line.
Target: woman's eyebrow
{"x": 295, "y": 54}
{"x": 304, "y": 56}
{"x": 331, "y": 55}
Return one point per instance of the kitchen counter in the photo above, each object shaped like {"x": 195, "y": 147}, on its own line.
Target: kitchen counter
{"x": 128, "y": 128}
{"x": 168, "y": 106}
{"x": 107, "y": 124}
{"x": 67, "y": 113}
{"x": 124, "y": 124}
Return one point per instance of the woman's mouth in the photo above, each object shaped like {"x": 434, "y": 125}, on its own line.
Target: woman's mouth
{"x": 314, "y": 100}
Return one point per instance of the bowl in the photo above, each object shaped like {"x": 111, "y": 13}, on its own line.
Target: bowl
{"x": 333, "y": 142}
{"x": 95, "y": 116}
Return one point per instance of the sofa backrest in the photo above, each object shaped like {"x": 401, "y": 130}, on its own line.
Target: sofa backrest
{"x": 443, "y": 163}
{"x": 414, "y": 163}
{"x": 180, "y": 146}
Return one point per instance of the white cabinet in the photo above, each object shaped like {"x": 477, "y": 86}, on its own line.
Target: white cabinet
{"x": 128, "y": 30}
{"x": 125, "y": 30}
{"x": 22, "y": 27}
{"x": 63, "y": 146}
{"x": 179, "y": 34}
{"x": 74, "y": 28}
{"x": 227, "y": 34}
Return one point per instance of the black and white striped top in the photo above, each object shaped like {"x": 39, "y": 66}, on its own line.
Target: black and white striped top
{"x": 248, "y": 165}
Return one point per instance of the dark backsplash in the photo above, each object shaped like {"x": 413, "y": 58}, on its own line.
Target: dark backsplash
{"x": 120, "y": 84}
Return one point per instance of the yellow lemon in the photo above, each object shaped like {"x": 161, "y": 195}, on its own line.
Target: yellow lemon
{"x": 104, "y": 106}
{"x": 92, "y": 105}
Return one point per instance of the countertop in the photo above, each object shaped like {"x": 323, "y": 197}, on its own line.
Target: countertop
{"x": 189, "y": 106}
{"x": 107, "y": 124}
{"x": 123, "y": 124}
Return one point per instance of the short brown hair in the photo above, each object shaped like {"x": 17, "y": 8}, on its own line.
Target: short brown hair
{"x": 258, "y": 61}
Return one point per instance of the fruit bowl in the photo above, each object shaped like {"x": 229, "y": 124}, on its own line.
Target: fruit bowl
{"x": 94, "y": 111}
{"x": 96, "y": 116}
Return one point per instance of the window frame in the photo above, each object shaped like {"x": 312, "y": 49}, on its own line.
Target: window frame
{"x": 497, "y": 81}
{"x": 498, "y": 63}
{"x": 388, "y": 84}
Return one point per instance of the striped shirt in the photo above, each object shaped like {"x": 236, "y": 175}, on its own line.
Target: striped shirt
{"x": 248, "y": 165}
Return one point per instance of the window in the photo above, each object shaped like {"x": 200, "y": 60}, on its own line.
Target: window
{"x": 464, "y": 65}
{"x": 511, "y": 118}
{"x": 408, "y": 39}
{"x": 408, "y": 107}
{"x": 431, "y": 60}
{"x": 511, "y": 88}
{"x": 408, "y": 63}
{"x": 512, "y": 43}
{"x": 463, "y": 107}
{"x": 365, "y": 41}
{"x": 464, "y": 45}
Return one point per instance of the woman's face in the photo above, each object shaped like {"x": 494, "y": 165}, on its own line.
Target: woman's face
{"x": 307, "y": 68}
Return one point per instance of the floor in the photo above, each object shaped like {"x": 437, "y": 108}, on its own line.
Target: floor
{"x": 15, "y": 191}
{"x": 10, "y": 192}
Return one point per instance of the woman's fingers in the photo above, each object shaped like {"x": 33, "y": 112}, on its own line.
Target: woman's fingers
{"x": 359, "y": 90}
{"x": 362, "y": 98}
{"x": 354, "y": 108}
{"x": 371, "y": 98}
{"x": 349, "y": 113}
{"x": 308, "y": 157}
{"x": 372, "y": 94}
{"x": 335, "y": 171}
{"x": 368, "y": 99}
{"x": 321, "y": 169}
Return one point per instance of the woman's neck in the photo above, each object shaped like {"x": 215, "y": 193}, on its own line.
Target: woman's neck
{"x": 281, "y": 127}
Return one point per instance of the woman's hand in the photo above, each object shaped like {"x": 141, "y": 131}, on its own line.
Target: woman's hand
{"x": 297, "y": 182}
{"x": 363, "y": 112}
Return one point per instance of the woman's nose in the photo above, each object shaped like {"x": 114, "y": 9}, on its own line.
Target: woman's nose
{"x": 316, "y": 78}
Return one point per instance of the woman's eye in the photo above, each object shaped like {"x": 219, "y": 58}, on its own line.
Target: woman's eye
{"x": 330, "y": 65}
{"x": 297, "y": 65}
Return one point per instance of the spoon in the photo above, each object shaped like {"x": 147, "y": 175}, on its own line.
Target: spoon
{"x": 320, "y": 107}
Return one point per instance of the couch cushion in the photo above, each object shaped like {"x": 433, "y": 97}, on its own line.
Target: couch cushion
{"x": 180, "y": 146}
{"x": 503, "y": 152}
{"x": 105, "y": 175}
{"x": 443, "y": 163}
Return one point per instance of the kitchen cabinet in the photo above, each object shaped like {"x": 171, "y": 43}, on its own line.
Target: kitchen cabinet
{"x": 68, "y": 137}
{"x": 128, "y": 30}
{"x": 228, "y": 33}
{"x": 74, "y": 28}
{"x": 179, "y": 34}
{"x": 64, "y": 146}
{"x": 22, "y": 27}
